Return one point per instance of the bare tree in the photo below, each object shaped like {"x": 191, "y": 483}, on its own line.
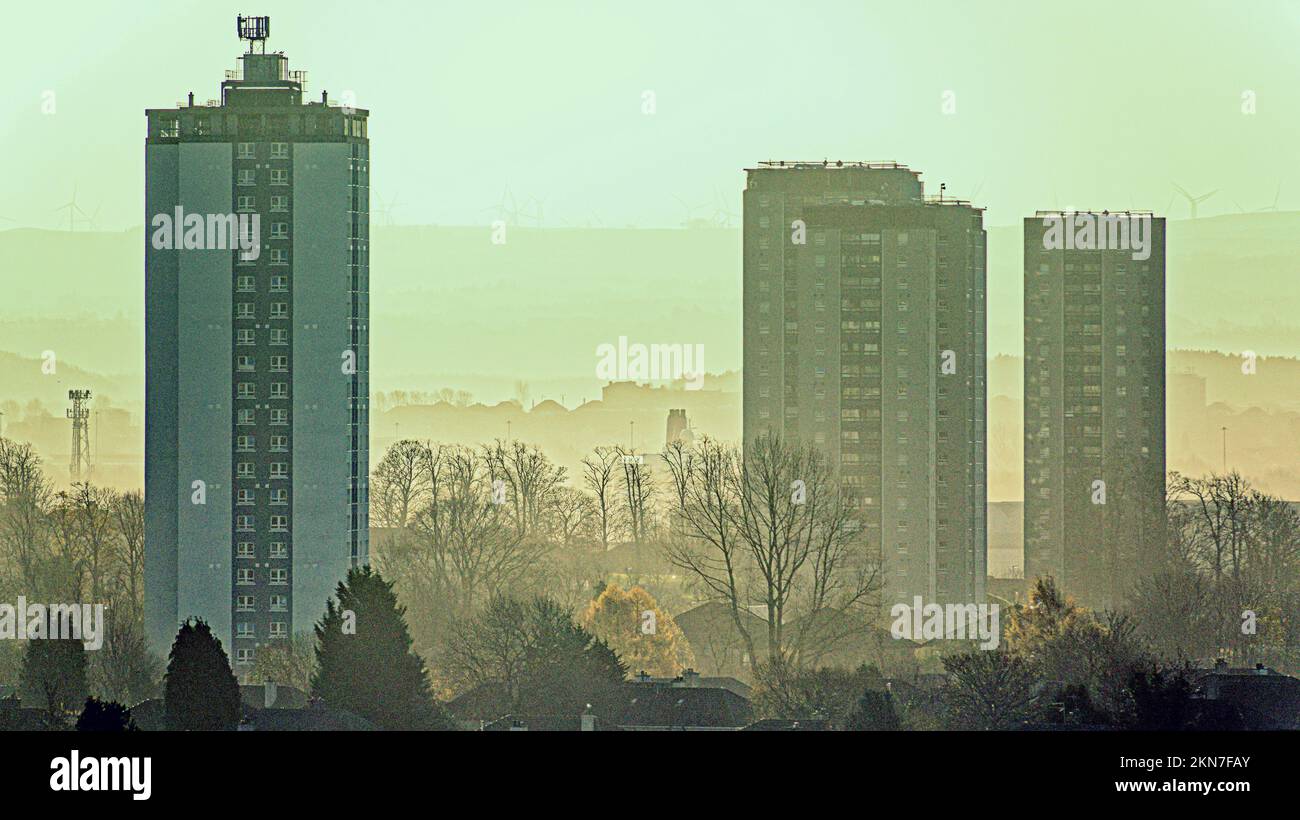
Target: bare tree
{"x": 598, "y": 471}
{"x": 25, "y": 499}
{"x": 638, "y": 493}
{"x": 571, "y": 513}
{"x": 124, "y": 669}
{"x": 767, "y": 529}
{"x": 96, "y": 532}
{"x": 463, "y": 545}
{"x": 529, "y": 478}
{"x": 128, "y": 515}
{"x": 399, "y": 484}
{"x": 989, "y": 690}
{"x": 290, "y": 661}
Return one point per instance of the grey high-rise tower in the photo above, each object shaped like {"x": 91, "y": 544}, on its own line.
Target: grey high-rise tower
{"x": 256, "y": 455}
{"x": 864, "y": 336}
{"x": 1094, "y": 399}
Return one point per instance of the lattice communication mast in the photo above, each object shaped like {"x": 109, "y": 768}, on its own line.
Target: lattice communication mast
{"x": 80, "y": 415}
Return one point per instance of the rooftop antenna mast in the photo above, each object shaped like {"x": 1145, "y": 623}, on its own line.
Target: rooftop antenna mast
{"x": 255, "y": 30}
{"x": 80, "y": 416}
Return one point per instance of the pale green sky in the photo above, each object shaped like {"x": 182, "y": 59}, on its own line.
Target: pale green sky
{"x": 1099, "y": 104}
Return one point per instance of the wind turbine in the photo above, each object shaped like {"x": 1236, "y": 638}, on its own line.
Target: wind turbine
{"x": 73, "y": 209}
{"x": 92, "y": 220}
{"x": 1276, "y": 197}
{"x": 535, "y": 209}
{"x": 507, "y": 210}
{"x": 722, "y": 213}
{"x": 1193, "y": 201}
{"x": 385, "y": 210}
{"x": 690, "y": 211}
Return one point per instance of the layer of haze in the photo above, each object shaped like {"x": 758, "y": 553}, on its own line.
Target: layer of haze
{"x": 1103, "y": 104}
{"x": 533, "y": 113}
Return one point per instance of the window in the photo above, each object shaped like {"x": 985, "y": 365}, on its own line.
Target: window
{"x": 244, "y": 603}
{"x": 279, "y": 603}
{"x": 279, "y": 256}
{"x": 244, "y": 523}
{"x": 246, "y": 364}
{"x": 279, "y": 498}
{"x": 244, "y": 576}
{"x": 279, "y": 469}
{"x": 279, "y": 549}
{"x": 279, "y": 283}
{"x": 279, "y": 203}
{"x": 245, "y": 469}
{"x": 244, "y": 498}
{"x": 244, "y": 629}
{"x": 245, "y": 284}
{"x": 246, "y": 390}
{"x": 279, "y": 523}
{"x": 279, "y": 390}
{"x": 245, "y": 549}
{"x": 247, "y": 150}
{"x": 279, "y": 310}
{"x": 246, "y": 444}
{"x": 280, "y": 577}
{"x": 243, "y": 655}
{"x": 279, "y": 150}
{"x": 246, "y": 176}
{"x": 279, "y": 444}
{"x": 279, "y": 230}
{"x": 246, "y": 336}
{"x": 246, "y": 202}
{"x": 245, "y": 310}
{"x": 279, "y": 629}
{"x": 245, "y": 416}
{"x": 279, "y": 336}
{"x": 279, "y": 176}
{"x": 279, "y": 364}
{"x": 279, "y": 417}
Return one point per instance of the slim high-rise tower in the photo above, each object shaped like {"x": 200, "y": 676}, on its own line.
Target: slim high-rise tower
{"x": 257, "y": 351}
{"x": 864, "y": 336}
{"x": 1094, "y": 408}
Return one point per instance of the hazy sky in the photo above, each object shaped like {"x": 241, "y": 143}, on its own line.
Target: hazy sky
{"x": 1099, "y": 104}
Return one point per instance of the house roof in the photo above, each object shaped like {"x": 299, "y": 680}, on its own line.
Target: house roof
{"x": 17, "y": 719}
{"x": 286, "y": 697}
{"x": 312, "y": 719}
{"x": 545, "y": 723}
{"x": 781, "y": 725}
{"x": 692, "y": 679}
{"x": 150, "y": 715}
{"x": 659, "y": 706}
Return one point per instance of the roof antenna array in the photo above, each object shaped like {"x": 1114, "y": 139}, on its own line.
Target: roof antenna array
{"x": 255, "y": 30}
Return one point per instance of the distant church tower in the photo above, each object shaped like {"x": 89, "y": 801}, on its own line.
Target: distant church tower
{"x": 679, "y": 429}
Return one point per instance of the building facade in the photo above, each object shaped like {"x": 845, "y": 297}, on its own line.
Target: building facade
{"x": 257, "y": 358}
{"x": 864, "y": 336}
{"x": 1094, "y": 400}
